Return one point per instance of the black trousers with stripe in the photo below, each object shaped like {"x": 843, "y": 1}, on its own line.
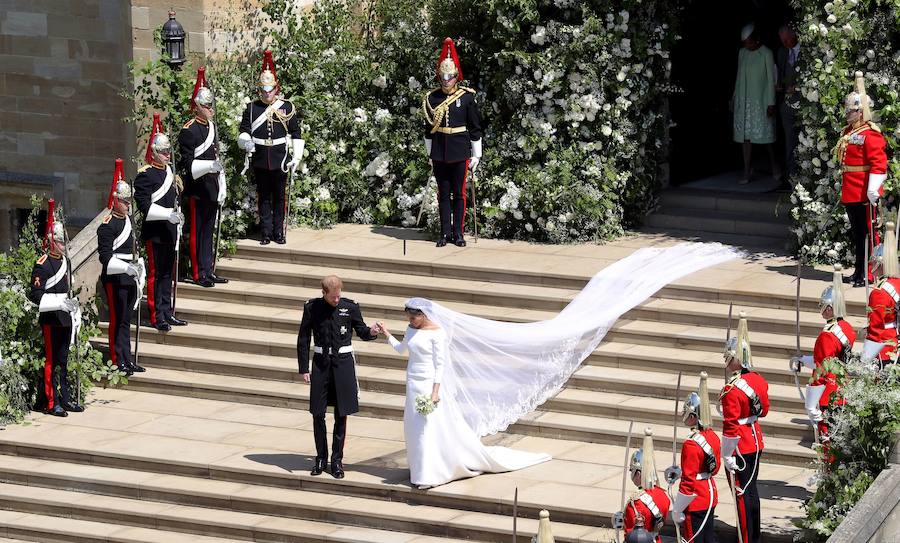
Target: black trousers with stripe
{"x": 56, "y": 364}
{"x": 120, "y": 298}
{"x": 451, "y": 185}
{"x": 202, "y": 219}
{"x": 271, "y": 187}
{"x": 748, "y": 502}
{"x": 160, "y": 265}
{"x": 694, "y": 527}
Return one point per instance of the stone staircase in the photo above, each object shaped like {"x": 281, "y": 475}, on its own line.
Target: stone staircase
{"x": 760, "y": 221}
{"x": 214, "y": 439}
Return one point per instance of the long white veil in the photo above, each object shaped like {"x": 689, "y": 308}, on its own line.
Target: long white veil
{"x": 499, "y": 371}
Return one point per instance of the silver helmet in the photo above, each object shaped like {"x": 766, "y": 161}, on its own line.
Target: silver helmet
{"x": 205, "y": 97}
{"x": 123, "y": 190}
{"x": 697, "y": 404}
{"x": 161, "y": 143}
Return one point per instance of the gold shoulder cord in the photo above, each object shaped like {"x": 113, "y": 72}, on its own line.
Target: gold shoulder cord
{"x": 441, "y": 113}
{"x": 841, "y": 148}
{"x": 276, "y": 114}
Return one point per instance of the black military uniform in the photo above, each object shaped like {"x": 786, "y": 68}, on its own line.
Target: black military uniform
{"x": 270, "y": 126}
{"x": 50, "y": 278}
{"x": 333, "y": 380}
{"x": 115, "y": 246}
{"x": 452, "y": 123}
{"x": 196, "y": 141}
{"x": 155, "y": 185}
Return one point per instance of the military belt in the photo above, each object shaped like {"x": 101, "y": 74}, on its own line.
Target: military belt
{"x": 453, "y": 130}
{"x": 848, "y": 168}
{"x": 123, "y": 256}
{"x": 269, "y": 142}
{"x": 748, "y": 421}
{"x": 330, "y": 350}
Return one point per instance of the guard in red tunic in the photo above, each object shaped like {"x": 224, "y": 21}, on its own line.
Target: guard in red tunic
{"x": 60, "y": 316}
{"x": 881, "y": 332}
{"x": 835, "y": 341}
{"x": 861, "y": 153}
{"x": 744, "y": 400}
{"x": 122, "y": 275}
{"x": 269, "y": 127}
{"x": 694, "y": 506}
{"x": 452, "y": 141}
{"x": 156, "y": 196}
{"x": 651, "y": 503}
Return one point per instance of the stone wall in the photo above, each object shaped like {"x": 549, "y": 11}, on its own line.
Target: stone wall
{"x": 64, "y": 65}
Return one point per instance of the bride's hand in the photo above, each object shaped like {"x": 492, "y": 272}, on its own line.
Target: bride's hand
{"x": 382, "y": 329}
{"x": 435, "y": 397}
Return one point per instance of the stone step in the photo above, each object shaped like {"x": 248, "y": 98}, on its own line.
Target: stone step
{"x": 725, "y": 222}
{"x": 280, "y": 310}
{"x": 391, "y": 379}
{"x": 681, "y": 231}
{"x": 760, "y": 205}
{"x": 271, "y": 447}
{"x": 633, "y": 403}
{"x": 60, "y": 529}
{"x": 164, "y": 499}
{"x": 573, "y": 414}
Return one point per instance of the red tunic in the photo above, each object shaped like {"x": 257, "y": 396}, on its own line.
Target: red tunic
{"x": 696, "y": 460}
{"x": 882, "y": 326}
{"x": 655, "y": 495}
{"x": 863, "y": 146}
{"x": 835, "y": 340}
{"x": 737, "y": 410}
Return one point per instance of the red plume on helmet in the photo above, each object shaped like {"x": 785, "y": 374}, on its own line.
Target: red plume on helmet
{"x": 201, "y": 82}
{"x": 148, "y": 157}
{"x": 449, "y": 48}
{"x": 48, "y": 233}
{"x": 118, "y": 175}
{"x": 269, "y": 64}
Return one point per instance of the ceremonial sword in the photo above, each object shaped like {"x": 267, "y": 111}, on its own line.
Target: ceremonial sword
{"x": 674, "y": 447}
{"x": 625, "y": 475}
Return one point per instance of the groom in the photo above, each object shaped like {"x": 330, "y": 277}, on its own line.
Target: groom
{"x": 330, "y": 320}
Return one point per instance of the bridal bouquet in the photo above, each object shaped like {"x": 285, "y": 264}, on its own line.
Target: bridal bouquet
{"x": 424, "y": 405}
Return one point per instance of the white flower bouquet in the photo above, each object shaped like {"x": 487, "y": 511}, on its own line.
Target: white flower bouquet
{"x": 424, "y": 405}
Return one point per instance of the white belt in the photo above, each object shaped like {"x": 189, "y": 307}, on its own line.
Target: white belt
{"x": 703, "y": 476}
{"x": 889, "y": 325}
{"x": 56, "y": 296}
{"x": 123, "y": 256}
{"x": 268, "y": 142}
{"x": 748, "y": 421}
{"x": 342, "y": 350}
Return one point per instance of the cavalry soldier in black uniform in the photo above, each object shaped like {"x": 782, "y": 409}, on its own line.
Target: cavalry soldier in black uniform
{"x": 199, "y": 165}
{"x": 156, "y": 195}
{"x": 122, "y": 276}
{"x": 60, "y": 317}
{"x": 331, "y": 320}
{"x": 269, "y": 126}
{"x": 453, "y": 142}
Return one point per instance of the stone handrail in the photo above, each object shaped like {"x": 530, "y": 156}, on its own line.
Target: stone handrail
{"x": 85, "y": 260}
{"x": 876, "y": 517}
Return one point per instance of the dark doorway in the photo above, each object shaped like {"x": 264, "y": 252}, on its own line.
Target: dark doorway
{"x": 704, "y": 64}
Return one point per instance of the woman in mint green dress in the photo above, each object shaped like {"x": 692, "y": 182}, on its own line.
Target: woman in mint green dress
{"x": 753, "y": 102}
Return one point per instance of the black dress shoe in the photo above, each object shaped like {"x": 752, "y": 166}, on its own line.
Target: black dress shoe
{"x": 858, "y": 283}
{"x": 163, "y": 326}
{"x": 125, "y": 368}
{"x": 175, "y": 321}
{"x": 57, "y": 411}
{"x": 135, "y": 368}
{"x": 265, "y": 241}
{"x": 206, "y": 283}
{"x": 72, "y": 407}
{"x": 318, "y": 468}
{"x": 337, "y": 470}
{"x": 218, "y": 280}
{"x": 280, "y": 240}
{"x": 460, "y": 242}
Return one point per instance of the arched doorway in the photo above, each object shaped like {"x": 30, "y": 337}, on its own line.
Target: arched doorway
{"x": 704, "y": 64}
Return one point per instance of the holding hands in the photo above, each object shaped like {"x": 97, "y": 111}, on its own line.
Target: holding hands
{"x": 379, "y": 328}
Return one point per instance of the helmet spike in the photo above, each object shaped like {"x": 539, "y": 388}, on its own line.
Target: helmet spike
{"x": 449, "y": 50}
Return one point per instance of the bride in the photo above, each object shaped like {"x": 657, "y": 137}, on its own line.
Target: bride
{"x": 440, "y": 446}
{"x": 484, "y": 375}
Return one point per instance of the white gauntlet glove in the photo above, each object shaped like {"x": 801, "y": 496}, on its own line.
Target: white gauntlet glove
{"x": 730, "y": 463}
{"x": 176, "y": 217}
{"x": 199, "y": 168}
{"x": 874, "y": 186}
{"x": 245, "y": 142}
{"x": 476, "y": 155}
{"x": 133, "y": 270}
{"x": 677, "y": 517}
{"x": 70, "y": 306}
{"x": 296, "y": 155}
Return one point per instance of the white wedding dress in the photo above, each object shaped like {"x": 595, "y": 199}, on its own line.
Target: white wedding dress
{"x": 441, "y": 447}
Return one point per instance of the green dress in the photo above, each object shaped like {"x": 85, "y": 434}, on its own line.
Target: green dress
{"x": 754, "y": 91}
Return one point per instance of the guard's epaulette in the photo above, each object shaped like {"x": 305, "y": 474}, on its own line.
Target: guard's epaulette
{"x": 189, "y": 123}
{"x": 144, "y": 168}
{"x": 874, "y": 127}
{"x": 107, "y": 219}
{"x": 468, "y": 89}
{"x": 42, "y": 259}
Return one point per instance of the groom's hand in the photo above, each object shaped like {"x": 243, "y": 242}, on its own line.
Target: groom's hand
{"x": 306, "y": 378}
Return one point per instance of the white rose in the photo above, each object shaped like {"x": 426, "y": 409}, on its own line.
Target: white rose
{"x": 380, "y": 82}
{"x": 831, "y": 19}
{"x": 414, "y": 83}
{"x": 606, "y": 130}
{"x": 324, "y": 193}
{"x": 528, "y": 227}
